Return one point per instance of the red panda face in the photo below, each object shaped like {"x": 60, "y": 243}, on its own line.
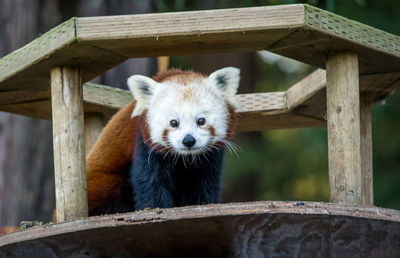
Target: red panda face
{"x": 186, "y": 116}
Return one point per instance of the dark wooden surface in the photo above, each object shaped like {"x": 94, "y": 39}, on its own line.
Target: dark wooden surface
{"x": 257, "y": 229}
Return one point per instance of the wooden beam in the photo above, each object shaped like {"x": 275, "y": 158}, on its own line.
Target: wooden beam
{"x": 305, "y": 89}
{"x": 195, "y": 32}
{"x": 68, "y": 142}
{"x": 366, "y": 151}
{"x": 343, "y": 123}
{"x": 94, "y": 124}
{"x": 325, "y": 32}
{"x": 98, "y": 43}
{"x": 39, "y": 49}
{"x": 162, "y": 63}
{"x": 308, "y": 96}
{"x": 260, "y": 111}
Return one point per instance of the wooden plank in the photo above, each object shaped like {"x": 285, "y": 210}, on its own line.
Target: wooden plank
{"x": 366, "y": 151}
{"x": 37, "y": 50}
{"x": 220, "y": 230}
{"x": 308, "y": 96}
{"x": 97, "y": 99}
{"x": 379, "y": 86}
{"x": 162, "y": 63}
{"x": 23, "y": 96}
{"x": 99, "y": 43}
{"x": 68, "y": 142}
{"x": 325, "y": 32}
{"x": 196, "y": 32}
{"x": 37, "y": 109}
{"x": 94, "y": 124}
{"x": 343, "y": 124}
{"x": 352, "y": 31}
{"x": 28, "y": 68}
{"x": 260, "y": 111}
{"x": 105, "y": 96}
{"x": 35, "y": 76}
{"x": 259, "y": 121}
{"x": 267, "y": 102}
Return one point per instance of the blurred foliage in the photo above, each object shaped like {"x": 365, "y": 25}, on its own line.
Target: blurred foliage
{"x": 293, "y": 164}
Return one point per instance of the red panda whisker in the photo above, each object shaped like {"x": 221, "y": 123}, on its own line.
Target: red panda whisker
{"x": 176, "y": 157}
{"x": 205, "y": 156}
{"x": 233, "y": 148}
{"x": 168, "y": 152}
{"x": 184, "y": 161}
{"x": 231, "y": 144}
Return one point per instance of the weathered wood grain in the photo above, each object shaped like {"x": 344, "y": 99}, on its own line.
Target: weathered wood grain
{"x": 366, "y": 151}
{"x": 306, "y": 88}
{"x": 257, "y": 229}
{"x": 325, "y": 32}
{"x": 258, "y": 121}
{"x": 28, "y": 68}
{"x": 343, "y": 124}
{"x": 99, "y": 43}
{"x": 191, "y": 32}
{"x": 94, "y": 124}
{"x": 162, "y": 63}
{"x": 308, "y": 96}
{"x": 23, "y": 96}
{"x": 363, "y": 35}
{"x": 68, "y": 142}
{"x": 37, "y": 50}
{"x": 269, "y": 110}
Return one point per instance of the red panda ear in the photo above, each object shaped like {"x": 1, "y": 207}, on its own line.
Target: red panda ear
{"x": 227, "y": 81}
{"x": 142, "y": 88}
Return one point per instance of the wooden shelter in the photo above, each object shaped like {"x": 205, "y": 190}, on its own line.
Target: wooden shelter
{"x": 359, "y": 65}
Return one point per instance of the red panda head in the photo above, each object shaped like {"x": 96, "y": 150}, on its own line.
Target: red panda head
{"x": 185, "y": 112}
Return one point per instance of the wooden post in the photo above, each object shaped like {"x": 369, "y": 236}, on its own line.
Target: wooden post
{"x": 343, "y": 123}
{"x": 94, "y": 124}
{"x": 69, "y": 145}
{"x": 366, "y": 151}
{"x": 163, "y": 62}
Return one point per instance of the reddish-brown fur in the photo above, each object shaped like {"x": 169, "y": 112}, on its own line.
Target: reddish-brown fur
{"x": 108, "y": 162}
{"x": 107, "y": 165}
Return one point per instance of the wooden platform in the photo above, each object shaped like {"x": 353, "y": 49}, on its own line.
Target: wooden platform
{"x": 98, "y": 43}
{"x": 258, "y": 229}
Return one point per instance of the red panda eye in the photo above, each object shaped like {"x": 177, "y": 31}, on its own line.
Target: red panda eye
{"x": 173, "y": 123}
{"x": 201, "y": 121}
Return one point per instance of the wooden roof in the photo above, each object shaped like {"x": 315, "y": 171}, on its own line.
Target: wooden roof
{"x": 299, "y": 31}
{"x": 267, "y": 229}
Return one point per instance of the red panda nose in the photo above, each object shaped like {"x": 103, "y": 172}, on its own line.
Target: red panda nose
{"x": 189, "y": 141}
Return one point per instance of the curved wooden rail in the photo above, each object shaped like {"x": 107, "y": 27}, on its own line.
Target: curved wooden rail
{"x": 256, "y": 229}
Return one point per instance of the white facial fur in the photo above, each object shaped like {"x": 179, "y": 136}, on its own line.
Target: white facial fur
{"x": 200, "y": 98}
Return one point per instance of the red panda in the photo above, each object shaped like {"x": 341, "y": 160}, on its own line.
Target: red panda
{"x": 165, "y": 148}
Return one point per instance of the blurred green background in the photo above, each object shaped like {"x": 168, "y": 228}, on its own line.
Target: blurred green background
{"x": 292, "y": 164}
